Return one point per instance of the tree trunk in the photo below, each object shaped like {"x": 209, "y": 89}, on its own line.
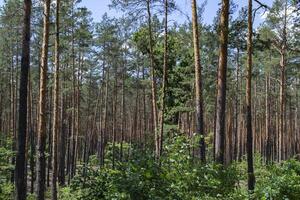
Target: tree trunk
{"x": 221, "y": 96}
{"x": 55, "y": 108}
{"x": 267, "y": 118}
{"x": 251, "y": 178}
{"x": 105, "y": 129}
{"x": 20, "y": 175}
{"x": 31, "y": 136}
{"x": 198, "y": 82}
{"x": 236, "y": 105}
{"x": 115, "y": 99}
{"x": 164, "y": 81}
{"x": 282, "y": 98}
{"x": 122, "y": 113}
{"x": 62, "y": 141}
{"x": 153, "y": 82}
{"x": 12, "y": 118}
{"x": 49, "y": 124}
{"x": 41, "y": 158}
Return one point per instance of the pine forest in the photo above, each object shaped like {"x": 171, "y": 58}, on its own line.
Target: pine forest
{"x": 149, "y": 99}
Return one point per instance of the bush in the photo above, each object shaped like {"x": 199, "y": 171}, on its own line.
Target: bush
{"x": 6, "y": 188}
{"x": 281, "y": 181}
{"x": 175, "y": 176}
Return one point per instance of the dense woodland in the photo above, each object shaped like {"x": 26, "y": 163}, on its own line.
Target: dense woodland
{"x": 144, "y": 107}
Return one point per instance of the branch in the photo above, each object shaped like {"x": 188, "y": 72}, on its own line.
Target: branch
{"x": 254, "y": 14}
{"x": 262, "y": 5}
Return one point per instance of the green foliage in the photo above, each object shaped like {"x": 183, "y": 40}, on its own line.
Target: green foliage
{"x": 179, "y": 175}
{"x": 280, "y": 181}
{"x": 6, "y": 191}
{"x": 176, "y": 176}
{"x": 6, "y": 188}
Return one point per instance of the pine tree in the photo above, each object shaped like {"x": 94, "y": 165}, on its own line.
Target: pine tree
{"x": 221, "y": 96}
{"x": 20, "y": 168}
{"x": 41, "y": 157}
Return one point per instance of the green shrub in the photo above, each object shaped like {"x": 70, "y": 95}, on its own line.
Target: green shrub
{"x": 280, "y": 181}
{"x": 6, "y": 188}
{"x": 175, "y": 176}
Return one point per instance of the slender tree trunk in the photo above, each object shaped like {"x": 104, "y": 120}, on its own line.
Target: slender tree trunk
{"x": 144, "y": 111}
{"x": 221, "y": 96}
{"x": 74, "y": 98}
{"x": 77, "y": 118}
{"x": 153, "y": 83}
{"x": 282, "y": 98}
{"x": 198, "y": 82}
{"x": 12, "y": 114}
{"x": 267, "y": 118}
{"x": 104, "y": 131}
{"x": 236, "y": 127}
{"x": 62, "y": 141}
{"x": 41, "y": 158}
{"x": 20, "y": 175}
{"x": 136, "y": 108}
{"x": 123, "y": 113}
{"x": 55, "y": 108}
{"x": 164, "y": 81}
{"x": 49, "y": 124}
{"x": 251, "y": 178}
{"x": 115, "y": 118}
{"x": 31, "y": 136}
{"x": 99, "y": 109}
{"x": 69, "y": 138}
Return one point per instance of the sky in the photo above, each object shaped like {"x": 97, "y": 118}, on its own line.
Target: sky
{"x": 99, "y": 7}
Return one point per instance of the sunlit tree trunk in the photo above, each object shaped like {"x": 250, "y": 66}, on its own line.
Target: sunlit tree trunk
{"x": 41, "y": 157}
{"x": 198, "y": 82}
{"x": 221, "y": 96}
{"x": 56, "y": 107}
{"x": 282, "y": 95}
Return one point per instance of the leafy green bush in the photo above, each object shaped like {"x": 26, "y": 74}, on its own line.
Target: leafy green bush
{"x": 175, "y": 176}
{"x": 6, "y": 191}
{"x": 280, "y": 181}
{"x": 6, "y": 188}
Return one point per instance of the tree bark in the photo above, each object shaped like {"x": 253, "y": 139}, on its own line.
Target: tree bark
{"x": 164, "y": 81}
{"x": 62, "y": 141}
{"x": 122, "y": 113}
{"x": 267, "y": 119}
{"x": 20, "y": 175}
{"x": 221, "y": 96}
{"x": 236, "y": 105}
{"x": 115, "y": 99}
{"x": 198, "y": 82}
{"x": 153, "y": 78}
{"x": 41, "y": 158}
{"x": 251, "y": 177}
{"x": 56, "y": 107}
